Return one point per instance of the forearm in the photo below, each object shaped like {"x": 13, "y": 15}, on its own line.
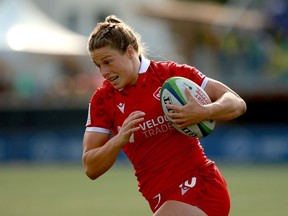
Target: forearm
{"x": 227, "y": 107}
{"x": 98, "y": 160}
{"x": 100, "y": 152}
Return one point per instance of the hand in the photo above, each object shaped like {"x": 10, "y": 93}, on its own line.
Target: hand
{"x": 191, "y": 113}
{"x": 130, "y": 125}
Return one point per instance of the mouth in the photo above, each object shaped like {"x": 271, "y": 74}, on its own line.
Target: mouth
{"x": 113, "y": 80}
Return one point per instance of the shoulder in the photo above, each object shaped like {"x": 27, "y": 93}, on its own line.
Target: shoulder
{"x": 163, "y": 69}
{"x": 102, "y": 93}
{"x": 166, "y": 69}
{"x": 162, "y": 64}
{"x": 172, "y": 66}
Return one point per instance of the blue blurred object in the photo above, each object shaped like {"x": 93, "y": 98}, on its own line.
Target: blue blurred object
{"x": 229, "y": 143}
{"x": 277, "y": 11}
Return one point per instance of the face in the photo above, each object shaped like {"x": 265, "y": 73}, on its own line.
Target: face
{"x": 115, "y": 67}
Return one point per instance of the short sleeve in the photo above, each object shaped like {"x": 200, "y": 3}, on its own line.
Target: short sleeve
{"x": 98, "y": 119}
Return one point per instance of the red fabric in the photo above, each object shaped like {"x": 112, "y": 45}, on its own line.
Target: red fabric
{"x": 161, "y": 156}
{"x": 205, "y": 188}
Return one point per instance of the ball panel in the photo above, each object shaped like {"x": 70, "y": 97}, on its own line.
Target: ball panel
{"x": 173, "y": 92}
{"x": 167, "y": 97}
{"x": 205, "y": 130}
{"x": 173, "y": 88}
{"x": 191, "y": 130}
{"x": 200, "y": 95}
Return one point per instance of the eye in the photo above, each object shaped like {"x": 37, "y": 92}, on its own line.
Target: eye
{"x": 107, "y": 62}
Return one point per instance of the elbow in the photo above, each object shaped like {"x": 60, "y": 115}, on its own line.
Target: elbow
{"x": 243, "y": 108}
{"x": 91, "y": 175}
{"x": 89, "y": 171}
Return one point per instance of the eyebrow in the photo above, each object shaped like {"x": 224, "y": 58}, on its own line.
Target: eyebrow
{"x": 107, "y": 56}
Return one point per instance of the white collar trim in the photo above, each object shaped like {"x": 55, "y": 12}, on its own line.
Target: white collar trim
{"x": 145, "y": 63}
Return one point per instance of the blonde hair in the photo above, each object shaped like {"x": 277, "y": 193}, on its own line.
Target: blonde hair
{"x": 114, "y": 33}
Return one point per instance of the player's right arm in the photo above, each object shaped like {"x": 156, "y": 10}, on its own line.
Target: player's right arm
{"x": 100, "y": 152}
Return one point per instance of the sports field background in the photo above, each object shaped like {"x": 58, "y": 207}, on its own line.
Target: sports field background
{"x": 41, "y": 137}
{"x": 54, "y": 190}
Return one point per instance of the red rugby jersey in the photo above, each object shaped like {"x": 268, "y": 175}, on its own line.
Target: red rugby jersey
{"x": 161, "y": 155}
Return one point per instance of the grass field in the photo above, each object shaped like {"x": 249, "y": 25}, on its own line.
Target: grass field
{"x": 56, "y": 190}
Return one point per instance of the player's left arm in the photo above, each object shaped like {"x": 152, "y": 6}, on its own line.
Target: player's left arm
{"x": 226, "y": 104}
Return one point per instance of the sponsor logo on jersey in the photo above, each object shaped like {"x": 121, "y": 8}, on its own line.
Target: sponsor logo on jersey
{"x": 156, "y": 94}
{"x": 153, "y": 127}
{"x": 156, "y": 126}
{"x": 158, "y": 197}
{"x": 121, "y": 107}
{"x": 187, "y": 185}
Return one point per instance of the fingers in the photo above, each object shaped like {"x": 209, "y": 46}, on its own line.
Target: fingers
{"x": 136, "y": 114}
{"x": 188, "y": 94}
{"x": 135, "y": 117}
{"x": 176, "y": 118}
{"x": 190, "y": 100}
{"x": 183, "y": 115}
{"x": 133, "y": 120}
{"x": 130, "y": 125}
{"x": 190, "y": 97}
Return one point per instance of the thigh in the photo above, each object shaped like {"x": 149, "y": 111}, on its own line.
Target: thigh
{"x": 176, "y": 208}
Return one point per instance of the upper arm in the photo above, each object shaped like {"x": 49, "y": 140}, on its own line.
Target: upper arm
{"x": 216, "y": 89}
{"x": 94, "y": 140}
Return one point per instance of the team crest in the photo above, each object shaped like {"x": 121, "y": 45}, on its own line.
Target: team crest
{"x": 156, "y": 94}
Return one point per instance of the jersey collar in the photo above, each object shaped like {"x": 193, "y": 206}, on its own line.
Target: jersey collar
{"x": 144, "y": 65}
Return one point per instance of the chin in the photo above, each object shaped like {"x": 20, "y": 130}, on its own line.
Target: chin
{"x": 118, "y": 87}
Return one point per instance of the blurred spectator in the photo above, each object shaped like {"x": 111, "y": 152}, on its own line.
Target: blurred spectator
{"x": 277, "y": 27}
{"x": 277, "y": 15}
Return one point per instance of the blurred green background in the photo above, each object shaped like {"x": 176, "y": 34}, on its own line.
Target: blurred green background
{"x": 47, "y": 79}
{"x": 64, "y": 190}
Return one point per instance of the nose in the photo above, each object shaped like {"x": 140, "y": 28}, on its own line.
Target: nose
{"x": 104, "y": 70}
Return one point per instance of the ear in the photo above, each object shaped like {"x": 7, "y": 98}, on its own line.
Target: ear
{"x": 130, "y": 51}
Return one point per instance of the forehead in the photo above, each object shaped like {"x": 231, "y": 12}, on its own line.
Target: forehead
{"x": 102, "y": 53}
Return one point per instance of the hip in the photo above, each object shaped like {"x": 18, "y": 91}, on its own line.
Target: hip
{"x": 205, "y": 188}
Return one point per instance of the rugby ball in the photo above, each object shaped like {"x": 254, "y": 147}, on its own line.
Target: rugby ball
{"x": 173, "y": 92}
